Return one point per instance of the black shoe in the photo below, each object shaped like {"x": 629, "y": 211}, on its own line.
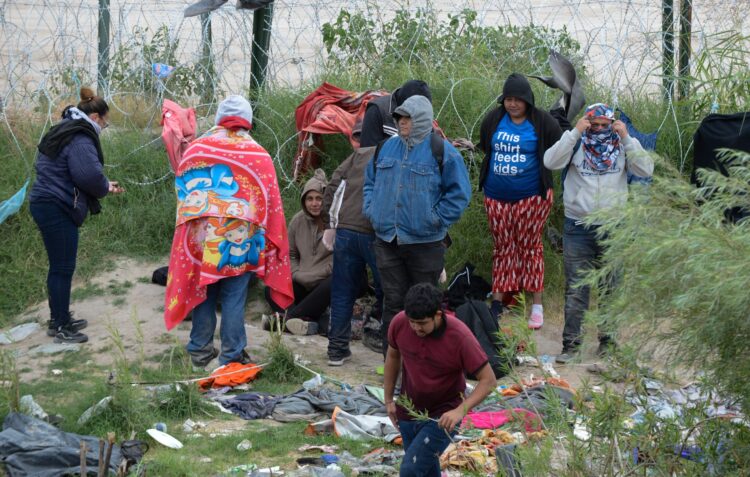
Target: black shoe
{"x": 372, "y": 340}
{"x": 568, "y": 355}
{"x": 76, "y": 325}
{"x": 66, "y": 334}
{"x": 201, "y": 360}
{"x": 244, "y": 358}
{"x": 606, "y": 348}
{"x": 339, "y": 360}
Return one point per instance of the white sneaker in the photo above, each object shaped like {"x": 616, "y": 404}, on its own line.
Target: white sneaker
{"x": 536, "y": 320}
{"x": 297, "y": 326}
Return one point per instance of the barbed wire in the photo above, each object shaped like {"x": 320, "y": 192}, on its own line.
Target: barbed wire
{"x": 49, "y": 49}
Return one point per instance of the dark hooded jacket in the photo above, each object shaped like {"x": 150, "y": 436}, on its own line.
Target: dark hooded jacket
{"x": 378, "y": 123}
{"x": 70, "y": 169}
{"x": 546, "y": 128}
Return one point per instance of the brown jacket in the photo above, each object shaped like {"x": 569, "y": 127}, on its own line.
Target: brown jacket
{"x": 311, "y": 261}
{"x": 353, "y": 171}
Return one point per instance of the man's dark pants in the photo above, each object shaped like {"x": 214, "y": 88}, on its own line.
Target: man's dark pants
{"x": 582, "y": 251}
{"x": 400, "y": 267}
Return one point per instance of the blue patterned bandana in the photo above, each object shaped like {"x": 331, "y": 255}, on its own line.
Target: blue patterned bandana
{"x": 601, "y": 148}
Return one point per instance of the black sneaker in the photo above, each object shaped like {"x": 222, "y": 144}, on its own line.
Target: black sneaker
{"x": 202, "y": 359}
{"x": 339, "y": 360}
{"x": 567, "y": 356}
{"x": 372, "y": 340}
{"x": 66, "y": 334}
{"x": 606, "y": 348}
{"x": 76, "y": 325}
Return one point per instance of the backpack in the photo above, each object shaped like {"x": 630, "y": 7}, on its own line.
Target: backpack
{"x": 564, "y": 172}
{"x": 159, "y": 277}
{"x": 465, "y": 285}
{"x": 477, "y": 316}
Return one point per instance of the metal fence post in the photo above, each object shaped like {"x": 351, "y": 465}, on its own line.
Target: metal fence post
{"x": 262, "y": 19}
{"x": 667, "y": 28}
{"x": 103, "y": 57}
{"x": 686, "y": 20}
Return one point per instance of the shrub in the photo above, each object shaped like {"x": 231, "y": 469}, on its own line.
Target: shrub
{"x": 685, "y": 281}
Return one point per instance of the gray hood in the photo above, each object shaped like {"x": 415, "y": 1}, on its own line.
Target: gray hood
{"x": 419, "y": 109}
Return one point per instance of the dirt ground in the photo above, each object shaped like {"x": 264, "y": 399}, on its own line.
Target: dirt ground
{"x": 123, "y": 302}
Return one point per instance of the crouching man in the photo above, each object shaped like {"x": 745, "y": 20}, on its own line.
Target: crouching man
{"x": 434, "y": 351}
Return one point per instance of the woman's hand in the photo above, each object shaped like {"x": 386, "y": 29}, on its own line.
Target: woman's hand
{"x": 582, "y": 125}
{"x": 114, "y": 188}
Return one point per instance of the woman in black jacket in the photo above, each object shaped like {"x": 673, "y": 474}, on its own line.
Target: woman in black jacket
{"x": 69, "y": 181}
{"x": 518, "y": 191}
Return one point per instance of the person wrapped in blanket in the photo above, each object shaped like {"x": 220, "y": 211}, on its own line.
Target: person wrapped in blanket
{"x": 230, "y": 225}
{"x": 312, "y": 264}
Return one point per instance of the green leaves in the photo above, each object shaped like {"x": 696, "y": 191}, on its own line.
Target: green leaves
{"x": 685, "y": 280}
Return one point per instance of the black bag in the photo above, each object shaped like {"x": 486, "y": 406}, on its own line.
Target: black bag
{"x": 159, "y": 277}
{"x": 477, "y": 316}
{"x": 466, "y": 285}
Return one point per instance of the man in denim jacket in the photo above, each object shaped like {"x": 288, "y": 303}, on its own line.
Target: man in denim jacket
{"x": 410, "y": 203}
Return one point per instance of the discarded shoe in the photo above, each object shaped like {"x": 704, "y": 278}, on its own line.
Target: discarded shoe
{"x": 298, "y": 326}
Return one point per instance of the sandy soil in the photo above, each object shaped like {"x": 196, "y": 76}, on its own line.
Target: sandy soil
{"x": 131, "y": 307}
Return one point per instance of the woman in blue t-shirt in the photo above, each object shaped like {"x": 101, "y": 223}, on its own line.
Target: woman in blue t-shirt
{"x": 518, "y": 191}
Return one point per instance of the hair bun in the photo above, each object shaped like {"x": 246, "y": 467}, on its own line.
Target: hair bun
{"x": 87, "y": 94}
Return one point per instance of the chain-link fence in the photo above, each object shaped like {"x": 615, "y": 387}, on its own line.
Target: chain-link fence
{"x": 50, "y": 46}
{"x": 48, "y": 49}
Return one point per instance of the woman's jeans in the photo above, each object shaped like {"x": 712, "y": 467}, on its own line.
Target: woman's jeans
{"x": 60, "y": 236}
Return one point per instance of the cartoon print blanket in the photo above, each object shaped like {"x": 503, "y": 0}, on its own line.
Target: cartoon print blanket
{"x": 230, "y": 221}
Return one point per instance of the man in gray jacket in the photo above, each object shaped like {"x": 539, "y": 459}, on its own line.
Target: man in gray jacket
{"x": 595, "y": 157}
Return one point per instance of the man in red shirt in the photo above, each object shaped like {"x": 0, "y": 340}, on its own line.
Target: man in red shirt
{"x": 434, "y": 351}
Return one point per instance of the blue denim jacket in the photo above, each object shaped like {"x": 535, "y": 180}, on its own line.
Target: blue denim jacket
{"x": 408, "y": 198}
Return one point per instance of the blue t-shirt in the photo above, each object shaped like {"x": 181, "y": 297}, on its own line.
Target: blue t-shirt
{"x": 514, "y": 166}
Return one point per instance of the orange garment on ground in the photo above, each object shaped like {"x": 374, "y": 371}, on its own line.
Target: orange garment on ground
{"x": 231, "y": 374}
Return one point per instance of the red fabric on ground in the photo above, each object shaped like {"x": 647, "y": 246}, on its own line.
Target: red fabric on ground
{"x": 495, "y": 419}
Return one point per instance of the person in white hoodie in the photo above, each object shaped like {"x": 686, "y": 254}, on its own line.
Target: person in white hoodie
{"x": 595, "y": 157}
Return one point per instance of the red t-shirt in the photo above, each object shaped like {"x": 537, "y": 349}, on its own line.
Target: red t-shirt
{"x": 433, "y": 367}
